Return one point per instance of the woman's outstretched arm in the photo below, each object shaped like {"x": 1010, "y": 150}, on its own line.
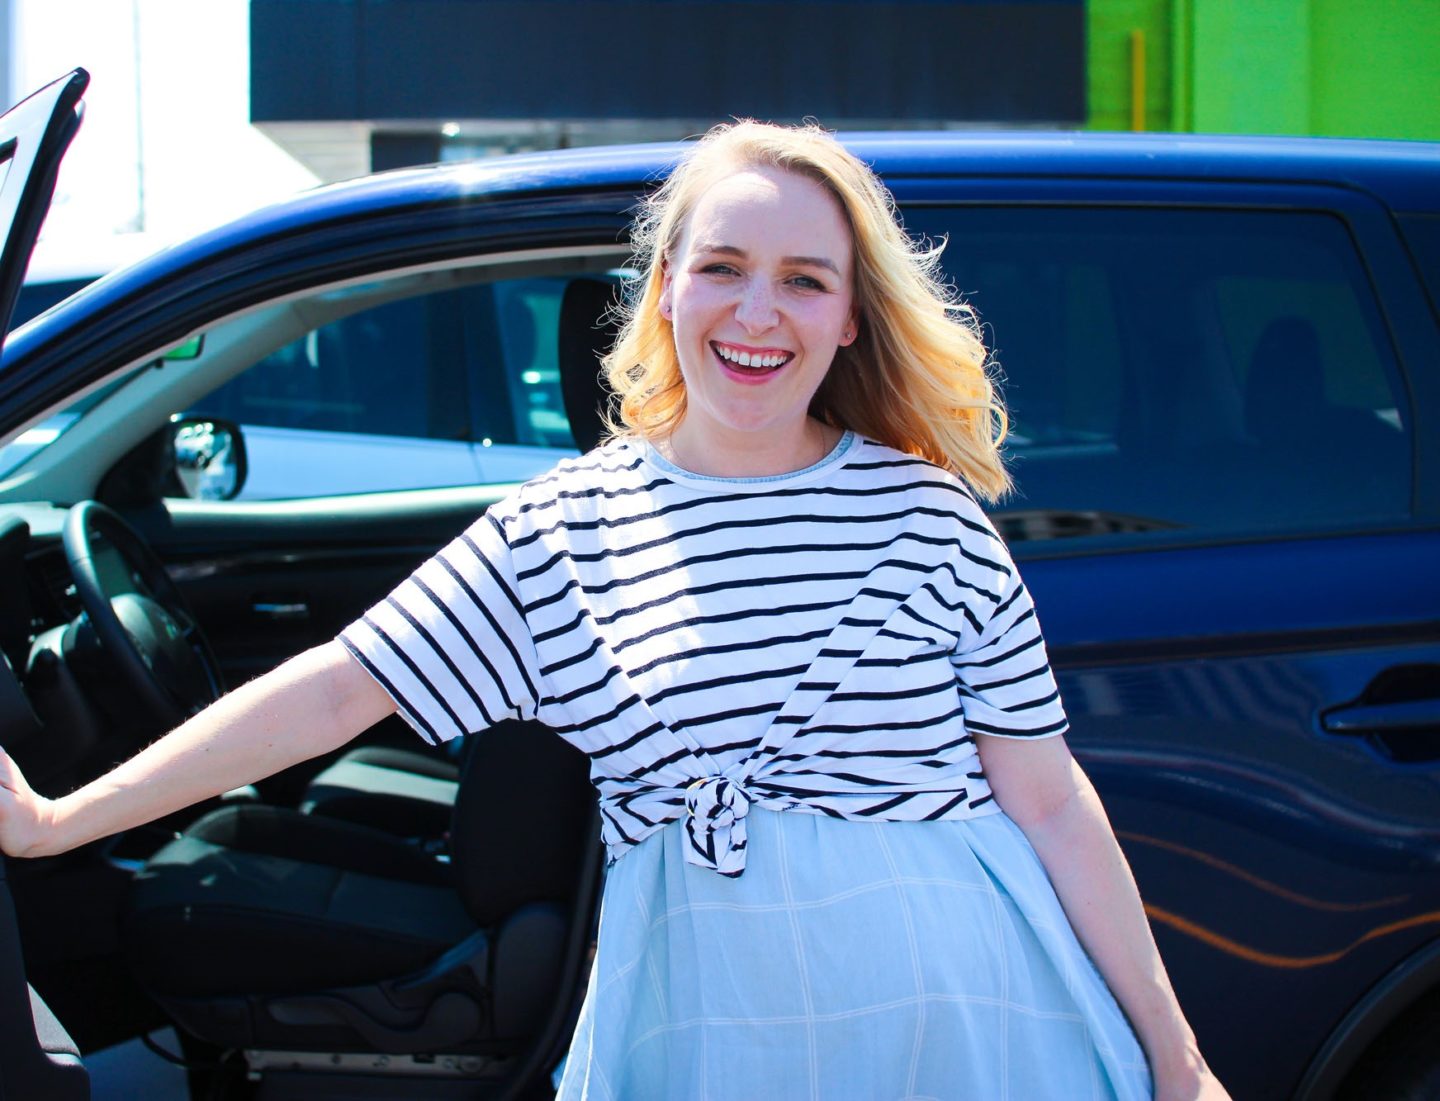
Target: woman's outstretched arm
{"x": 311, "y": 704}
{"x": 1044, "y": 791}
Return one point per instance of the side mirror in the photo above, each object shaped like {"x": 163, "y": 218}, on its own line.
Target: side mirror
{"x": 210, "y": 462}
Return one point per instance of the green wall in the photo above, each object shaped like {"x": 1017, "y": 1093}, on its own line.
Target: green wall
{"x": 1107, "y": 27}
{"x": 1332, "y": 67}
{"x": 1384, "y": 61}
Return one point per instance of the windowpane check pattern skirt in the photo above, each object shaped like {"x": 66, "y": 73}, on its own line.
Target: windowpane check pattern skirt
{"x": 865, "y": 960}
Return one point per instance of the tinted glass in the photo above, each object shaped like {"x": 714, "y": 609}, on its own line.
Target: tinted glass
{"x": 376, "y": 372}
{"x": 1183, "y": 370}
{"x": 529, "y": 312}
{"x": 451, "y": 388}
{"x": 1422, "y": 234}
{"x": 514, "y": 336}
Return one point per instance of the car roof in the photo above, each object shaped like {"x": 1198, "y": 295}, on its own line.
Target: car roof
{"x": 1402, "y": 173}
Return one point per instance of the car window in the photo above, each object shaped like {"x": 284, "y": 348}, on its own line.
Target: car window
{"x": 455, "y": 387}
{"x": 382, "y": 371}
{"x": 1422, "y": 233}
{"x": 529, "y": 313}
{"x": 513, "y": 330}
{"x": 1188, "y": 371}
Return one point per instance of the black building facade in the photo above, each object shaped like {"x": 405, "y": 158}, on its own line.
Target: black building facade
{"x": 414, "y": 81}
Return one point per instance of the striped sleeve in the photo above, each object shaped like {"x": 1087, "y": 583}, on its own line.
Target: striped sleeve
{"x": 1006, "y": 685}
{"x": 451, "y": 645}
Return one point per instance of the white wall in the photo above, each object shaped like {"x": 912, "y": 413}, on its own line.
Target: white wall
{"x": 166, "y": 146}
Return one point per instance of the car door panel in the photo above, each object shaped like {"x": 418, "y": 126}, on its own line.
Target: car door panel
{"x": 1196, "y": 680}
{"x": 269, "y": 579}
{"x": 1209, "y": 800}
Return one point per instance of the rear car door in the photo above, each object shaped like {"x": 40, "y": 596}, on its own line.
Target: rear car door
{"x": 1226, "y": 511}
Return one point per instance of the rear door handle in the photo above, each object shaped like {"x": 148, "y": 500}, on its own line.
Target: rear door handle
{"x": 1408, "y": 716}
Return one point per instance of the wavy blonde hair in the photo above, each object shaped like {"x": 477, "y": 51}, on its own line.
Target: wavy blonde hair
{"x": 916, "y": 377}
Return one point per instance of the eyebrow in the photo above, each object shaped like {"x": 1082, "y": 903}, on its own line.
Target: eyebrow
{"x": 801, "y": 261}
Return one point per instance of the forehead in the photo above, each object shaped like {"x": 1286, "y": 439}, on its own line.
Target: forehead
{"x": 754, "y": 208}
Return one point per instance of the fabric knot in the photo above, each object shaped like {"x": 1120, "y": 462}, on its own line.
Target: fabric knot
{"x": 715, "y": 824}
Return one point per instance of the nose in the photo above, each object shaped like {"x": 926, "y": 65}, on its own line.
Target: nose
{"x": 756, "y": 309}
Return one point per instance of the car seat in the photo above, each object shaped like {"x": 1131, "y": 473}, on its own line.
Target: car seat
{"x": 405, "y": 792}
{"x": 589, "y": 325}
{"x": 265, "y": 929}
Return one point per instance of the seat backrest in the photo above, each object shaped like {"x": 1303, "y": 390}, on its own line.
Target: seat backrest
{"x": 587, "y": 330}
{"x": 521, "y": 826}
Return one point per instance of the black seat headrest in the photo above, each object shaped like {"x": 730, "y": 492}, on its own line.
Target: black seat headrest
{"x": 587, "y": 330}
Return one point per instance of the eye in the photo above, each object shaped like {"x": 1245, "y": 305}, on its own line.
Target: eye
{"x": 718, "y": 268}
{"x": 807, "y": 283}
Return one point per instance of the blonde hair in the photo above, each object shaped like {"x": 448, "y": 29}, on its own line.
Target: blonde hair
{"x": 916, "y": 376}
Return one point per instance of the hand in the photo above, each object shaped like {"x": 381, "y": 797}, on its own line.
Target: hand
{"x": 25, "y": 817}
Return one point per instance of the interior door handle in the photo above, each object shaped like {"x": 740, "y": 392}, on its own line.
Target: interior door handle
{"x": 288, "y": 611}
{"x": 1408, "y": 716}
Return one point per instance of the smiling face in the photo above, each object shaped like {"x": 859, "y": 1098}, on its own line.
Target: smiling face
{"x": 759, "y": 295}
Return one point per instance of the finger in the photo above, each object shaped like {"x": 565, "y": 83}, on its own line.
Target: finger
{"x": 7, "y": 768}
{"x": 11, "y": 778}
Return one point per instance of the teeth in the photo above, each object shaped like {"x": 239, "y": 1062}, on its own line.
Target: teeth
{"x": 745, "y": 359}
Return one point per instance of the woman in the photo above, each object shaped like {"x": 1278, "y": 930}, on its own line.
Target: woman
{"x": 827, "y": 742}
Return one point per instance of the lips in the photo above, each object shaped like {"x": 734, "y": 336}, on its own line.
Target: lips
{"x": 747, "y": 361}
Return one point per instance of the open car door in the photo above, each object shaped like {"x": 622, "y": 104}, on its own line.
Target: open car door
{"x": 34, "y": 135}
{"x": 37, "y": 1058}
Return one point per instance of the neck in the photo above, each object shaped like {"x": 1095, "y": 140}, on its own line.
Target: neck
{"x": 701, "y": 453}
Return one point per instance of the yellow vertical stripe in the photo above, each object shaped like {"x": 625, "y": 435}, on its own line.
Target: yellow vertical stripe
{"x": 1137, "y": 80}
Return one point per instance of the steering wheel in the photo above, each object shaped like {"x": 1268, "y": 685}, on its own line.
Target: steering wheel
{"x": 139, "y": 615}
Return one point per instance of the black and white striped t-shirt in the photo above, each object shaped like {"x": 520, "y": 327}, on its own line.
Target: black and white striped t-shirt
{"x": 825, "y": 641}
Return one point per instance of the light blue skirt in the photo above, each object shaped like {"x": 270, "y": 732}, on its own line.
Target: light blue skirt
{"x": 865, "y": 960}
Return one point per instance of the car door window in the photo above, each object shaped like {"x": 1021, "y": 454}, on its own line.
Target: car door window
{"x": 454, "y": 387}
{"x": 1183, "y": 371}
{"x": 375, "y": 372}
{"x": 516, "y": 399}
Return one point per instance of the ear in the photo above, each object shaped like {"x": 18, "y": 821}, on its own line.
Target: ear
{"x": 851, "y": 330}
{"x": 665, "y": 280}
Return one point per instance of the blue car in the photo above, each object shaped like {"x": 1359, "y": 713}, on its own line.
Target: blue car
{"x": 1222, "y": 361}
